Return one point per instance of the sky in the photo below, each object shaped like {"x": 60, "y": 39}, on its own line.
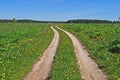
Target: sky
{"x": 60, "y": 10}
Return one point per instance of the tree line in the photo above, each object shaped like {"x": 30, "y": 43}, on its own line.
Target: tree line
{"x": 88, "y": 21}
{"x": 69, "y": 21}
{"x": 28, "y": 21}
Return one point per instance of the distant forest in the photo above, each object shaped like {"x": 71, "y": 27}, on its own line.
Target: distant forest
{"x": 88, "y": 21}
{"x": 69, "y": 21}
{"x": 29, "y": 21}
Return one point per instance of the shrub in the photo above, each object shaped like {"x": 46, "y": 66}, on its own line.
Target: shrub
{"x": 115, "y": 46}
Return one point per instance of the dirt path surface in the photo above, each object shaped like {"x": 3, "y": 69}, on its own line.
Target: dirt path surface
{"x": 88, "y": 68}
{"x": 42, "y": 68}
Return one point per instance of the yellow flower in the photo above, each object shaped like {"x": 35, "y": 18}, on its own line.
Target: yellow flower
{"x": 119, "y": 78}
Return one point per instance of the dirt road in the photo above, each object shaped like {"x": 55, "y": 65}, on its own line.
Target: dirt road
{"x": 88, "y": 68}
{"x": 42, "y": 68}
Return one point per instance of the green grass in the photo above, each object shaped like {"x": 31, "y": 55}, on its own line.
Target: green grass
{"x": 65, "y": 67}
{"x": 97, "y": 38}
{"x": 22, "y": 43}
{"x": 20, "y": 46}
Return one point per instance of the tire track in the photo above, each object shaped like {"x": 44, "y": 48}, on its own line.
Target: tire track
{"x": 42, "y": 68}
{"x": 88, "y": 68}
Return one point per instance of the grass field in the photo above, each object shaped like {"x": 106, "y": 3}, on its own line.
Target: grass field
{"x": 22, "y": 43}
{"x": 65, "y": 64}
{"x": 98, "y": 38}
{"x": 20, "y": 46}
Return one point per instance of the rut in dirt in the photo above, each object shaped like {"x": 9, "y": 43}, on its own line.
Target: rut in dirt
{"x": 88, "y": 68}
{"x": 42, "y": 68}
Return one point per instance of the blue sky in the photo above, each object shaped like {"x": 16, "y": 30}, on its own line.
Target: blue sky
{"x": 60, "y": 10}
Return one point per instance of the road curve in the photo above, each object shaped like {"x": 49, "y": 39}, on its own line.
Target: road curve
{"x": 42, "y": 68}
{"x": 88, "y": 68}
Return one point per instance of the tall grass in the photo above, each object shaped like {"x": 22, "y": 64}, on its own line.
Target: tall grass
{"x": 98, "y": 38}
{"x": 20, "y": 46}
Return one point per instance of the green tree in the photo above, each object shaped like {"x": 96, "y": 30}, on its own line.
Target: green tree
{"x": 14, "y": 20}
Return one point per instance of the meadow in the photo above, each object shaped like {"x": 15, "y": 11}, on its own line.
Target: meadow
{"x": 21, "y": 44}
{"x": 102, "y": 42}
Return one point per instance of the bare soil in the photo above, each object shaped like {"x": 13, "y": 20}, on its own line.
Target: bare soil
{"x": 88, "y": 68}
{"x": 42, "y": 67}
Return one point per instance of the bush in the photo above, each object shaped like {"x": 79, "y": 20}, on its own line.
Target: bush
{"x": 115, "y": 46}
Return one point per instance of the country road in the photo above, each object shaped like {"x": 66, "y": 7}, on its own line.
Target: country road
{"x": 88, "y": 68}
{"x": 42, "y": 68}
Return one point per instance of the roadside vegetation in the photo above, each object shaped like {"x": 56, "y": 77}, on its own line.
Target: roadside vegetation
{"x": 65, "y": 65}
{"x": 20, "y": 46}
{"x": 103, "y": 44}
